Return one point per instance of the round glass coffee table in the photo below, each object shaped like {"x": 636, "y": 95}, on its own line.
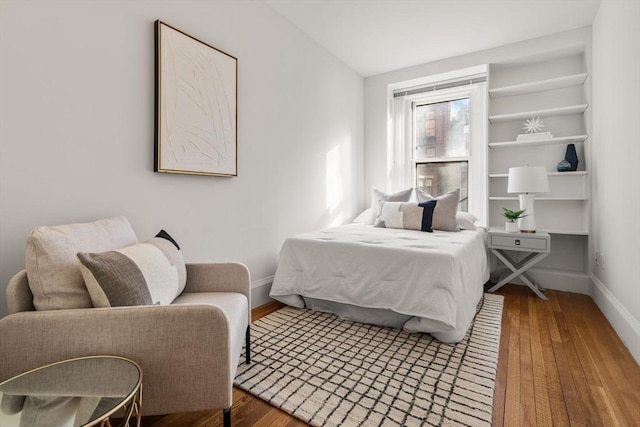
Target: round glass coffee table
{"x": 87, "y": 391}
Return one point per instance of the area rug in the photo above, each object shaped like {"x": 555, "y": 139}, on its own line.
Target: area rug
{"x": 330, "y": 372}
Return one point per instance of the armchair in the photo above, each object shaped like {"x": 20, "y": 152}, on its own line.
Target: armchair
{"x": 188, "y": 350}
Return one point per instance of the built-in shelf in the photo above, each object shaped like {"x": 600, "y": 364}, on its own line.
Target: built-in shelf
{"x": 539, "y": 86}
{"x": 552, "y": 89}
{"x": 558, "y": 140}
{"x": 558, "y": 111}
{"x": 553, "y": 199}
{"x": 570, "y": 173}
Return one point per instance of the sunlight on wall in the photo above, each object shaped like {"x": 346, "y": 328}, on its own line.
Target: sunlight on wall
{"x": 338, "y": 160}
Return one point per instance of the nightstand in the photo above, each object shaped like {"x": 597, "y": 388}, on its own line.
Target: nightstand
{"x": 537, "y": 245}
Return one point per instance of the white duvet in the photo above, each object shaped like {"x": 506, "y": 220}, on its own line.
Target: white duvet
{"x": 436, "y": 279}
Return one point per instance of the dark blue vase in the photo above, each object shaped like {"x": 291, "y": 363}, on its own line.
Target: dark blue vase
{"x": 572, "y": 157}
{"x": 564, "y": 166}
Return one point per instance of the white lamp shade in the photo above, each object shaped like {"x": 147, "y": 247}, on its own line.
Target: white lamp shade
{"x": 528, "y": 179}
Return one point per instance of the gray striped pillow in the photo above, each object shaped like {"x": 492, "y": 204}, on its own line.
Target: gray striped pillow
{"x": 151, "y": 272}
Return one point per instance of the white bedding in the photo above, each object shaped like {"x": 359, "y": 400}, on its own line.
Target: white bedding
{"x": 435, "y": 279}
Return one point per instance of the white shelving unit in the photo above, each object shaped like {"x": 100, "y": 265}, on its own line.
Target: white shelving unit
{"x": 553, "y": 91}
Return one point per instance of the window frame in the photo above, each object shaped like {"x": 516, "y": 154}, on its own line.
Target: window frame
{"x": 403, "y": 162}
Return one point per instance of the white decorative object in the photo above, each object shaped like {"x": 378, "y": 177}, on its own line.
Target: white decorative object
{"x": 511, "y": 227}
{"x": 527, "y": 180}
{"x": 533, "y": 128}
{"x": 533, "y": 125}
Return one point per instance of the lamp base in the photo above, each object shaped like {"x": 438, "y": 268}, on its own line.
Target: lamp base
{"x": 528, "y": 223}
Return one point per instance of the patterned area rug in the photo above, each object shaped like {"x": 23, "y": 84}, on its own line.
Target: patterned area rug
{"x": 331, "y": 372}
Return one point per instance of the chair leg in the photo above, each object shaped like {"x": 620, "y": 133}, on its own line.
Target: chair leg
{"x": 226, "y": 417}
{"x": 248, "y": 345}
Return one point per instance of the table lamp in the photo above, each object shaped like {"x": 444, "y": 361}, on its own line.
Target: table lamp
{"x": 527, "y": 180}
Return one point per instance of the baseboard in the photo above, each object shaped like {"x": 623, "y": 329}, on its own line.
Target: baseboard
{"x": 625, "y": 325}
{"x": 558, "y": 280}
{"x": 260, "y": 291}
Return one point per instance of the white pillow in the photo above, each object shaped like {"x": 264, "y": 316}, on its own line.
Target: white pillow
{"x": 466, "y": 221}
{"x": 366, "y": 217}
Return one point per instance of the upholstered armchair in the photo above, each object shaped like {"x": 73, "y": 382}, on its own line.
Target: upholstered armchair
{"x": 188, "y": 348}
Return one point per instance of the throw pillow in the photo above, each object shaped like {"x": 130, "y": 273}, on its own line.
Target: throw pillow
{"x": 408, "y": 216}
{"x": 53, "y": 268}
{"x": 377, "y": 196}
{"x": 444, "y": 215}
{"x": 142, "y": 274}
{"x": 466, "y": 221}
{"x": 366, "y": 217}
{"x": 172, "y": 251}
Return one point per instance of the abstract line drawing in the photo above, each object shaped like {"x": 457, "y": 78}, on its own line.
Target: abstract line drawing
{"x": 196, "y": 106}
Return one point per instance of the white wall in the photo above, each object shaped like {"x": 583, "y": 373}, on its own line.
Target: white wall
{"x": 76, "y": 129}
{"x": 616, "y": 153}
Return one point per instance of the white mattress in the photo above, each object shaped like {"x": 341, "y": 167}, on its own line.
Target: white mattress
{"x": 434, "y": 279}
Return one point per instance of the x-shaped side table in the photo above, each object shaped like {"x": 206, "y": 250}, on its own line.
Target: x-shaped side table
{"x": 539, "y": 246}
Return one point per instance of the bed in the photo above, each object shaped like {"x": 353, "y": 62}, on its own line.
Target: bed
{"x": 417, "y": 281}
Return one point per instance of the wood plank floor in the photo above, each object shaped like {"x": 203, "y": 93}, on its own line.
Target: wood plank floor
{"x": 560, "y": 364}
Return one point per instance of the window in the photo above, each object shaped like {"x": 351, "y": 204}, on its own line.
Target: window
{"x": 441, "y": 143}
{"x": 438, "y": 137}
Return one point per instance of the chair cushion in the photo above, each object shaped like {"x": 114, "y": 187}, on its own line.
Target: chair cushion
{"x": 235, "y": 307}
{"x": 53, "y": 268}
{"x": 152, "y": 272}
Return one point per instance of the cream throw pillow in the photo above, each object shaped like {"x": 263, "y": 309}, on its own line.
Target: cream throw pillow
{"x": 53, "y": 269}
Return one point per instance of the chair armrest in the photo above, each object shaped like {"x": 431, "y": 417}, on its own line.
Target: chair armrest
{"x": 19, "y": 296}
{"x": 219, "y": 277}
{"x": 183, "y": 350}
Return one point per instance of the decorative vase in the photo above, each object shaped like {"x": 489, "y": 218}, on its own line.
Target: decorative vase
{"x": 571, "y": 156}
{"x": 564, "y": 166}
{"x": 511, "y": 227}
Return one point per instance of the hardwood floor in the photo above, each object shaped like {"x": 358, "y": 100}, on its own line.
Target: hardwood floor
{"x": 560, "y": 363}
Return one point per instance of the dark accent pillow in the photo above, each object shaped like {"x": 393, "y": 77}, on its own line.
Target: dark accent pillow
{"x": 427, "y": 215}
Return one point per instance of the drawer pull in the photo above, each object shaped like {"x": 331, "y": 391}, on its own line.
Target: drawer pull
{"x": 517, "y": 242}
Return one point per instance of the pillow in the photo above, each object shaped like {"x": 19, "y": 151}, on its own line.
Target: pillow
{"x": 53, "y": 268}
{"x": 408, "y": 216}
{"x": 444, "y": 215}
{"x": 174, "y": 256}
{"x": 466, "y": 221}
{"x": 366, "y": 217}
{"x": 377, "y": 196}
{"x": 152, "y": 272}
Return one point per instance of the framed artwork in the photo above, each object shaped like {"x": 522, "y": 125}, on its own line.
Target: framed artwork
{"x": 196, "y": 106}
